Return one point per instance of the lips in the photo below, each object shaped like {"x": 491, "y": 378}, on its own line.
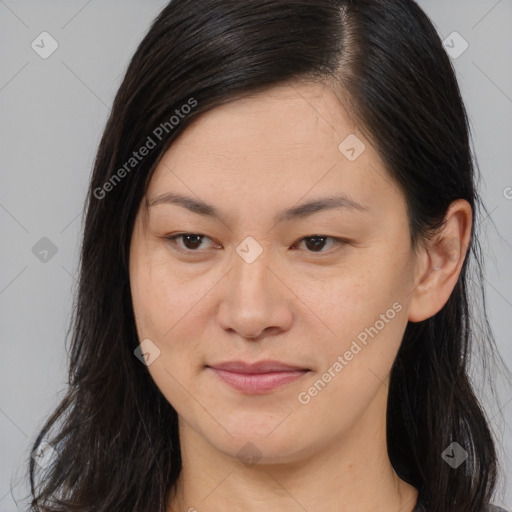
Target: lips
{"x": 254, "y": 368}
{"x": 257, "y": 378}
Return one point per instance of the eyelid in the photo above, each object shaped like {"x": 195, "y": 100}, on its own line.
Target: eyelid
{"x": 173, "y": 238}
{"x": 338, "y": 241}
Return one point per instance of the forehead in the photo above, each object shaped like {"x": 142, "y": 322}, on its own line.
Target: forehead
{"x": 281, "y": 144}
{"x": 284, "y": 122}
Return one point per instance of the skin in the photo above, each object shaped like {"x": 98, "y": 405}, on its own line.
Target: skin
{"x": 250, "y": 159}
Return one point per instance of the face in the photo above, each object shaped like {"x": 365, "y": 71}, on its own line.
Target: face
{"x": 254, "y": 275}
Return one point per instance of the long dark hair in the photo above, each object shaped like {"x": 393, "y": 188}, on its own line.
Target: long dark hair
{"x": 114, "y": 433}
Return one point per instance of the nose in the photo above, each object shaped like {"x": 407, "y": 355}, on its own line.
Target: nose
{"x": 255, "y": 300}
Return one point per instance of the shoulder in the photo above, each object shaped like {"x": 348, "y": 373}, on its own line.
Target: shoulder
{"x": 494, "y": 508}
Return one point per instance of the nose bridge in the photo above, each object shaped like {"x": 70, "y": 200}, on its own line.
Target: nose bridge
{"x": 250, "y": 278}
{"x": 253, "y": 299}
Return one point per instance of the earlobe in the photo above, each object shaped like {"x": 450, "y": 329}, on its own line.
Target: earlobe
{"x": 442, "y": 262}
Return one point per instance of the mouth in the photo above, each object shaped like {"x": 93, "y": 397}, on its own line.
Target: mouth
{"x": 257, "y": 378}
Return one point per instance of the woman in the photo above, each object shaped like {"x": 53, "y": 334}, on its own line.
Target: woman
{"x": 273, "y": 310}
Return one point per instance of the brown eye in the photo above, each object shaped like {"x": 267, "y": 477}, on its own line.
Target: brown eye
{"x": 315, "y": 243}
{"x": 193, "y": 242}
{"x": 190, "y": 241}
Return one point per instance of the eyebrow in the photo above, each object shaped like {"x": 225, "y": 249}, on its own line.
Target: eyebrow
{"x": 300, "y": 211}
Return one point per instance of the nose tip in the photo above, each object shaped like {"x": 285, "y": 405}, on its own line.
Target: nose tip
{"x": 253, "y": 309}
{"x": 267, "y": 331}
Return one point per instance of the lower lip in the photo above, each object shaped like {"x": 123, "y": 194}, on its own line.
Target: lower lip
{"x": 258, "y": 383}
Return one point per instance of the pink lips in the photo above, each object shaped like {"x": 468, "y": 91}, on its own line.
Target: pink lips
{"x": 257, "y": 378}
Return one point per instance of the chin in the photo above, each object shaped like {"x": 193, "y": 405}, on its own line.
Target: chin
{"x": 264, "y": 443}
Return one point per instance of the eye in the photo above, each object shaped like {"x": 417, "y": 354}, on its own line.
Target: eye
{"x": 191, "y": 241}
{"x": 318, "y": 242}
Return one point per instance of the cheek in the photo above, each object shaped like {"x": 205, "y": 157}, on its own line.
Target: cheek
{"x": 351, "y": 297}
{"x": 364, "y": 308}
{"x": 368, "y": 320}
{"x": 172, "y": 308}
{"x": 163, "y": 305}
{"x": 161, "y": 294}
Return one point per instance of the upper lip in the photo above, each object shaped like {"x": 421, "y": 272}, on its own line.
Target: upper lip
{"x": 259, "y": 367}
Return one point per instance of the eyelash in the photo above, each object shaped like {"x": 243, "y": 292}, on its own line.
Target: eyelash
{"x": 173, "y": 240}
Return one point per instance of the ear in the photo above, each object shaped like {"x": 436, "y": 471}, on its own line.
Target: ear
{"x": 440, "y": 261}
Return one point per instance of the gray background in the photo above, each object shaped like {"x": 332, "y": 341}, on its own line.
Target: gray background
{"x": 53, "y": 112}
